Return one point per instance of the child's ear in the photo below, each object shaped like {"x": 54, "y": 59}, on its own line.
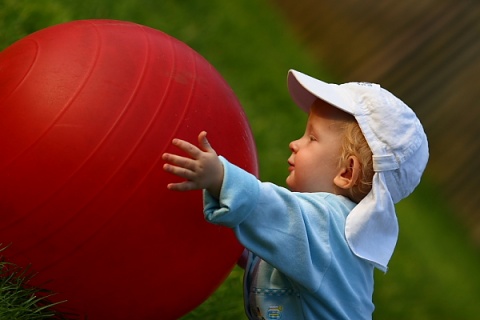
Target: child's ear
{"x": 348, "y": 174}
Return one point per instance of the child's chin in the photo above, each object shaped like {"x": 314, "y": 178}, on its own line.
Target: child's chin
{"x": 290, "y": 184}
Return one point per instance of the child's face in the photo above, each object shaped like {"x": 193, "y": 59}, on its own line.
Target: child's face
{"x": 315, "y": 156}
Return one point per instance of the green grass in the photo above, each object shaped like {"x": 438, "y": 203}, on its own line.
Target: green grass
{"x": 19, "y": 300}
{"x": 433, "y": 273}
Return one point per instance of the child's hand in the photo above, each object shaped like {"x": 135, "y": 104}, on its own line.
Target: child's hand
{"x": 202, "y": 171}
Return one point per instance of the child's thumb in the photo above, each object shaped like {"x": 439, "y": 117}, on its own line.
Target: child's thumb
{"x": 203, "y": 142}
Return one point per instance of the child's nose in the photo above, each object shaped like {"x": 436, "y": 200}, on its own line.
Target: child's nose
{"x": 293, "y": 146}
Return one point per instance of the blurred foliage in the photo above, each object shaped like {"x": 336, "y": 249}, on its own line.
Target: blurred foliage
{"x": 433, "y": 272}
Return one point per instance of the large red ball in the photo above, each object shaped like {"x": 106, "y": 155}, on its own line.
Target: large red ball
{"x": 86, "y": 110}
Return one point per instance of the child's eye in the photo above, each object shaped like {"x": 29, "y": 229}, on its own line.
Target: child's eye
{"x": 312, "y": 138}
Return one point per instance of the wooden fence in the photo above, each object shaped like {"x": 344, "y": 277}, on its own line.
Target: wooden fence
{"x": 425, "y": 52}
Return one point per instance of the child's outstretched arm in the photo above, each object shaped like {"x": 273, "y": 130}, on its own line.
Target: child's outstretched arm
{"x": 202, "y": 170}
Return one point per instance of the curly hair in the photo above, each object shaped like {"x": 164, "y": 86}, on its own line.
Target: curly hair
{"x": 354, "y": 143}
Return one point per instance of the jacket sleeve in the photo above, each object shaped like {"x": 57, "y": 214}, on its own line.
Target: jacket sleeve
{"x": 289, "y": 230}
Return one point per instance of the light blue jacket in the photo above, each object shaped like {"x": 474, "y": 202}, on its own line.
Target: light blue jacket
{"x": 300, "y": 266}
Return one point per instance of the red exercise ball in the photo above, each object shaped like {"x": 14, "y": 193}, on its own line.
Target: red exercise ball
{"x": 86, "y": 110}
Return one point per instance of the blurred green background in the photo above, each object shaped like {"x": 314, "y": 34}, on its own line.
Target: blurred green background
{"x": 433, "y": 273}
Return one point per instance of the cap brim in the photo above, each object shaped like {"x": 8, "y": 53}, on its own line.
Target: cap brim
{"x": 305, "y": 89}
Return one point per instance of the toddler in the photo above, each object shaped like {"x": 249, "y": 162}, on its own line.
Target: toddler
{"x": 312, "y": 248}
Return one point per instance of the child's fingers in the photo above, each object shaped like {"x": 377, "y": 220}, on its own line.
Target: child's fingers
{"x": 189, "y": 148}
{"x": 203, "y": 142}
{"x": 179, "y": 171}
{"x": 179, "y": 161}
{"x": 181, "y": 186}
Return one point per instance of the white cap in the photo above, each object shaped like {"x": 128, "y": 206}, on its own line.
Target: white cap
{"x": 400, "y": 155}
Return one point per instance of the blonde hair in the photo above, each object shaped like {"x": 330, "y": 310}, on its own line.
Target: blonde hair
{"x": 354, "y": 144}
